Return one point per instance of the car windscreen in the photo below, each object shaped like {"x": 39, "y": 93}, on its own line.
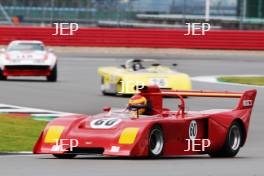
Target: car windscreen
{"x": 25, "y": 47}
{"x": 136, "y": 65}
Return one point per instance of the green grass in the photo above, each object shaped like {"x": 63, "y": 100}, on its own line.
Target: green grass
{"x": 19, "y": 133}
{"x": 252, "y": 80}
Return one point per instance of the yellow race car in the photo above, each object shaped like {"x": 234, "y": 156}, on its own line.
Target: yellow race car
{"x": 138, "y": 73}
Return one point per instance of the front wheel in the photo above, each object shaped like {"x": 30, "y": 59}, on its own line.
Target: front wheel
{"x": 156, "y": 141}
{"x": 64, "y": 156}
{"x": 232, "y": 144}
{"x": 104, "y": 92}
{"x": 53, "y": 75}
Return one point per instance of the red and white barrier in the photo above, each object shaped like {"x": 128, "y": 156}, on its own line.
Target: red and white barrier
{"x": 130, "y": 37}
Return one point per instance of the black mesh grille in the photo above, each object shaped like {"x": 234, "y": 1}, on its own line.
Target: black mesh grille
{"x": 87, "y": 150}
{"x": 27, "y": 67}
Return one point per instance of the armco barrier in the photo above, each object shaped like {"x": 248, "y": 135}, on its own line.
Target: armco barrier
{"x": 153, "y": 38}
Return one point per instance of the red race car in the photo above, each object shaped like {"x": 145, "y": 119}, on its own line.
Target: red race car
{"x": 154, "y": 132}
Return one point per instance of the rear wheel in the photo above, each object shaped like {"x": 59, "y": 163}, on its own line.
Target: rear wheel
{"x": 64, "y": 156}
{"x": 233, "y": 142}
{"x": 156, "y": 141}
{"x": 2, "y": 76}
{"x": 53, "y": 75}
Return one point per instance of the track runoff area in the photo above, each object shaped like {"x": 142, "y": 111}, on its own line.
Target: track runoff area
{"x": 78, "y": 91}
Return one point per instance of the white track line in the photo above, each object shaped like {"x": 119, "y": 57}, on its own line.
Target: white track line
{"x": 213, "y": 79}
{"x": 16, "y": 154}
{"x": 5, "y": 108}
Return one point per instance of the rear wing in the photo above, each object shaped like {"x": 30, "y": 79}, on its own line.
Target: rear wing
{"x": 155, "y": 95}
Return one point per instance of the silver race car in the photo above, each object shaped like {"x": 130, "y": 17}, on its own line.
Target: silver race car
{"x": 28, "y": 58}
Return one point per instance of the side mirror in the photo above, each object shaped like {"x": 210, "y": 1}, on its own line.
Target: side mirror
{"x": 107, "y": 109}
{"x": 123, "y": 66}
{"x": 165, "y": 114}
{"x": 2, "y": 50}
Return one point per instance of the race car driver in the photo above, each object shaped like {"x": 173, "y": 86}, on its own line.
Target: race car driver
{"x": 137, "y": 105}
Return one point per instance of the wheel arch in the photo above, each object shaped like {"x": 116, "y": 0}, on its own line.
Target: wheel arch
{"x": 158, "y": 125}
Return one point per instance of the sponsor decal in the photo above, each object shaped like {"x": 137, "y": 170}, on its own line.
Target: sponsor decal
{"x": 115, "y": 149}
{"x": 247, "y": 103}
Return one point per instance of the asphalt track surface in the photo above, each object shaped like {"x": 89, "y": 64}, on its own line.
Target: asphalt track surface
{"x": 78, "y": 91}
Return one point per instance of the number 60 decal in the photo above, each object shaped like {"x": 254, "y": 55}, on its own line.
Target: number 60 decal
{"x": 104, "y": 123}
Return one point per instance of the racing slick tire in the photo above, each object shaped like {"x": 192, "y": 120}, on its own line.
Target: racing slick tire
{"x": 53, "y": 75}
{"x": 156, "y": 142}
{"x": 2, "y": 76}
{"x": 64, "y": 156}
{"x": 233, "y": 142}
{"x": 106, "y": 93}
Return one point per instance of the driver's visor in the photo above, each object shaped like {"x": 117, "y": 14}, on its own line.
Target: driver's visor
{"x": 132, "y": 108}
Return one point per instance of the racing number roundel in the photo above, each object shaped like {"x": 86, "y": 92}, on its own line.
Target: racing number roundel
{"x": 105, "y": 123}
{"x": 193, "y": 130}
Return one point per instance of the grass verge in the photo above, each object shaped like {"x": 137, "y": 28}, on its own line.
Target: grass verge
{"x": 251, "y": 80}
{"x": 19, "y": 133}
